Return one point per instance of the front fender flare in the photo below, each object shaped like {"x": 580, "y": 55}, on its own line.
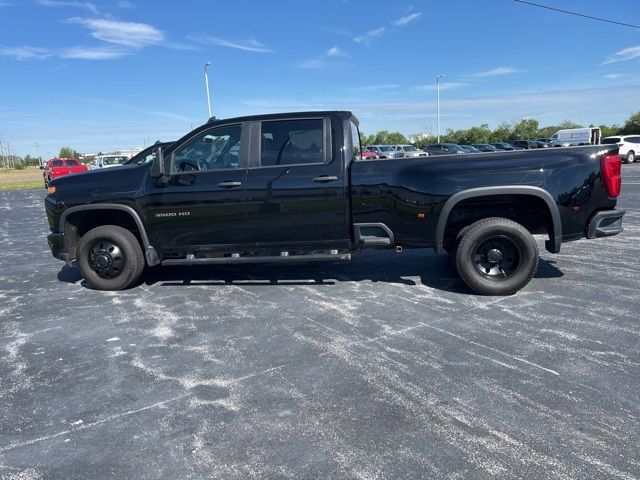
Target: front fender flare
{"x": 149, "y": 252}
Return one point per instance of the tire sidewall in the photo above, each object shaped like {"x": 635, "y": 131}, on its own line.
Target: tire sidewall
{"x": 631, "y": 157}
{"x": 491, "y": 228}
{"x": 131, "y": 252}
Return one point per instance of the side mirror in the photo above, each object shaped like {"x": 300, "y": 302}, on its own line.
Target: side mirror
{"x": 157, "y": 167}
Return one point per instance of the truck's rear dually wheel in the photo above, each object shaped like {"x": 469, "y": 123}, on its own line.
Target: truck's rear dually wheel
{"x": 110, "y": 258}
{"x": 496, "y": 256}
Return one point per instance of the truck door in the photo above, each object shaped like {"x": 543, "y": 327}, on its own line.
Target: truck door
{"x": 296, "y": 185}
{"x": 202, "y": 206}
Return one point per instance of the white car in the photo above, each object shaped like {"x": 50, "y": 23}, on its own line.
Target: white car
{"x": 107, "y": 161}
{"x": 411, "y": 151}
{"x": 629, "y": 146}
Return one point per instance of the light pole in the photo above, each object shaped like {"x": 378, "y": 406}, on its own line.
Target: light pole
{"x": 38, "y": 153}
{"x": 206, "y": 82}
{"x": 438, "y": 103}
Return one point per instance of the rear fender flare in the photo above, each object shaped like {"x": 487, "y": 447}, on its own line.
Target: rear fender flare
{"x": 555, "y": 237}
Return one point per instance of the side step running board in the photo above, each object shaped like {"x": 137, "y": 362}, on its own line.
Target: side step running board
{"x": 258, "y": 259}
{"x": 373, "y": 235}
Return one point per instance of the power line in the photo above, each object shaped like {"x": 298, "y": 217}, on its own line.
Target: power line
{"x": 578, "y": 14}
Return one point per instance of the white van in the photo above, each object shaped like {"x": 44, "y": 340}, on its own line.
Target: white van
{"x": 106, "y": 161}
{"x": 576, "y": 136}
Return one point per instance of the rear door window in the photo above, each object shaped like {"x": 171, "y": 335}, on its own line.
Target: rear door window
{"x": 292, "y": 142}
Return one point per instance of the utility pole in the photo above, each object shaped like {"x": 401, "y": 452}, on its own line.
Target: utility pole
{"x": 38, "y": 153}
{"x": 438, "y": 103}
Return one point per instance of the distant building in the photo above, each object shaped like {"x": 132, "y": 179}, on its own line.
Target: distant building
{"x": 127, "y": 152}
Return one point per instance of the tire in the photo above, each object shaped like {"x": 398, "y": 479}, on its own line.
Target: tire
{"x": 452, "y": 248}
{"x": 631, "y": 157}
{"x": 497, "y": 256}
{"x": 110, "y": 258}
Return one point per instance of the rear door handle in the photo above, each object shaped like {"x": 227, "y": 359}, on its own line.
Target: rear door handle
{"x": 325, "y": 178}
{"x": 229, "y": 184}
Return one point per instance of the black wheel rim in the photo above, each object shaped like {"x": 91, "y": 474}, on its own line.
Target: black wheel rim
{"x": 106, "y": 258}
{"x": 497, "y": 258}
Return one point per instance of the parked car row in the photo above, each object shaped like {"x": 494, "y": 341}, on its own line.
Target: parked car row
{"x": 392, "y": 151}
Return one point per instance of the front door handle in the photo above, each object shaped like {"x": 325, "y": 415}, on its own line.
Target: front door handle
{"x": 229, "y": 184}
{"x": 325, "y": 178}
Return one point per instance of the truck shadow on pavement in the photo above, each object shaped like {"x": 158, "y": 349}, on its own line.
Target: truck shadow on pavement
{"x": 411, "y": 268}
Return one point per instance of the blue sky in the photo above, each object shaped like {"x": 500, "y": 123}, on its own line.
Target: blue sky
{"x": 100, "y": 75}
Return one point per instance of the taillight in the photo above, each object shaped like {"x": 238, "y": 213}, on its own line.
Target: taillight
{"x": 611, "y": 168}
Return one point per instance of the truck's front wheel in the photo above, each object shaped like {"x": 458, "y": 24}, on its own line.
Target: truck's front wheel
{"x": 110, "y": 258}
{"x": 497, "y": 256}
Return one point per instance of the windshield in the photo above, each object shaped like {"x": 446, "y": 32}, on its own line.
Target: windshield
{"x": 386, "y": 148}
{"x": 409, "y": 148}
{"x": 609, "y": 141}
{"x": 113, "y": 160}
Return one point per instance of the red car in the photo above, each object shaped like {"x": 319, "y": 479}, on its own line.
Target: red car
{"x": 57, "y": 167}
{"x": 369, "y": 154}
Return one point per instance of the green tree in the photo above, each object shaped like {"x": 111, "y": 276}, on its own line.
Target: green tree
{"x": 502, "y": 133}
{"x": 384, "y": 137}
{"x": 609, "y": 131}
{"x": 481, "y": 134}
{"x": 66, "y": 152}
{"x": 632, "y": 125}
{"x": 526, "y": 129}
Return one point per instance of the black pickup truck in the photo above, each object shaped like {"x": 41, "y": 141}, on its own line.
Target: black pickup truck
{"x": 293, "y": 187}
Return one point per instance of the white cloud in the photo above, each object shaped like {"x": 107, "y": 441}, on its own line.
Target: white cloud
{"x": 330, "y": 58}
{"x": 24, "y": 52}
{"x": 402, "y": 21}
{"x": 62, "y": 3}
{"x": 583, "y": 105}
{"x": 88, "y": 53}
{"x": 374, "y": 88}
{"x": 79, "y": 53}
{"x": 613, "y": 76}
{"x": 248, "y": 46}
{"x": 495, "y": 71}
{"x": 129, "y": 34}
{"x": 624, "y": 55}
{"x": 335, "y": 52}
{"x": 443, "y": 86}
{"x": 371, "y": 35}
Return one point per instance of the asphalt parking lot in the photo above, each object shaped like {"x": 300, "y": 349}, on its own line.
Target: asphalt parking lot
{"x": 384, "y": 367}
